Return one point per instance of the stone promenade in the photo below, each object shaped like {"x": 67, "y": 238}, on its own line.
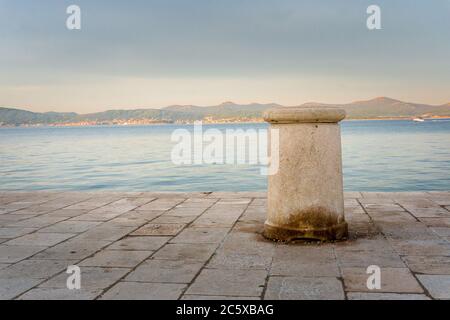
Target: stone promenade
{"x": 148, "y": 245}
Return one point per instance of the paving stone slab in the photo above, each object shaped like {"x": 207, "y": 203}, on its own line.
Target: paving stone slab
{"x": 139, "y": 243}
{"x": 161, "y": 204}
{"x": 60, "y": 294}
{"x": 229, "y": 282}
{"x": 144, "y": 291}
{"x": 438, "y": 286}
{"x": 186, "y": 252}
{"x": 14, "y": 232}
{"x": 8, "y": 218}
{"x": 200, "y": 297}
{"x": 305, "y": 261}
{"x": 165, "y": 271}
{"x": 116, "y": 258}
{"x": 12, "y": 287}
{"x": 436, "y": 212}
{"x": 407, "y": 231}
{"x": 441, "y": 231}
{"x": 66, "y": 213}
{"x": 40, "y": 239}
{"x": 304, "y": 288}
{"x": 212, "y": 219}
{"x": 70, "y": 227}
{"x": 186, "y": 211}
{"x": 35, "y": 269}
{"x": 147, "y": 215}
{"x": 385, "y": 296}
{"x": 91, "y": 278}
{"x": 174, "y": 219}
{"x": 72, "y": 250}
{"x": 388, "y": 258}
{"x": 224, "y": 194}
{"x": 201, "y": 235}
{"x": 106, "y": 233}
{"x": 13, "y": 254}
{"x": 396, "y": 280}
{"x": 230, "y": 259}
{"x": 38, "y": 222}
{"x": 428, "y": 264}
{"x": 4, "y": 265}
{"x": 422, "y": 247}
{"x": 155, "y": 229}
{"x": 436, "y": 222}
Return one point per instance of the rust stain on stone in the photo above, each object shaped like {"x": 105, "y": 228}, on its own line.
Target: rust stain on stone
{"x": 314, "y": 217}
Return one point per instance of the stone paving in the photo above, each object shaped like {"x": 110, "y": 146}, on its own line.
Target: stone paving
{"x": 148, "y": 245}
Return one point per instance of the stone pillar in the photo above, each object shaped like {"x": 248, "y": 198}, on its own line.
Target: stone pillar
{"x": 305, "y": 196}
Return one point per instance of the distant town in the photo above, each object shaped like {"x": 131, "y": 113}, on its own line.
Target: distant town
{"x": 381, "y": 108}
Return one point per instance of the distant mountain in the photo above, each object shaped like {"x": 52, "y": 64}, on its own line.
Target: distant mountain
{"x": 383, "y": 107}
{"x": 377, "y": 108}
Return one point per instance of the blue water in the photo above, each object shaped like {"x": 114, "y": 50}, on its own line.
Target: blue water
{"x": 377, "y": 156}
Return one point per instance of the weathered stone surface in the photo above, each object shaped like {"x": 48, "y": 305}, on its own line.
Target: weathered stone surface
{"x": 14, "y": 232}
{"x": 201, "y": 235}
{"x": 436, "y": 222}
{"x": 305, "y": 261}
{"x": 39, "y": 222}
{"x": 230, "y": 259}
{"x": 381, "y": 258}
{"x": 229, "y": 282}
{"x": 35, "y": 269}
{"x": 437, "y": 285}
{"x": 305, "y": 195}
{"x": 200, "y": 297}
{"x": 174, "y": 219}
{"x": 422, "y": 247}
{"x": 398, "y": 280}
{"x": 147, "y": 215}
{"x": 144, "y": 291}
{"x": 188, "y": 252}
{"x": 139, "y": 243}
{"x": 91, "y": 278}
{"x": 155, "y": 229}
{"x": 170, "y": 271}
{"x": 428, "y": 264}
{"x": 116, "y": 258}
{"x": 12, "y": 254}
{"x": 72, "y": 250}
{"x": 304, "y": 288}
{"x": 395, "y": 240}
{"x": 162, "y": 204}
{"x": 385, "y": 296}
{"x": 60, "y": 294}
{"x": 12, "y": 287}
{"x": 70, "y": 227}
{"x": 106, "y": 233}
{"x": 40, "y": 239}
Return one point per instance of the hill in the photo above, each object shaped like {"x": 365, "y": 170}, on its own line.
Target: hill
{"x": 377, "y": 108}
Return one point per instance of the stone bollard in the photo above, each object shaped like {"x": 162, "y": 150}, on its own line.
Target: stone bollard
{"x": 305, "y": 196}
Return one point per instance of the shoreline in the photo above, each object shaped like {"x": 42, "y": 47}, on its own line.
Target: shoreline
{"x": 191, "y": 123}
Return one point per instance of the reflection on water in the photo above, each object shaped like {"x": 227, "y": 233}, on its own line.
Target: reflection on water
{"x": 378, "y": 156}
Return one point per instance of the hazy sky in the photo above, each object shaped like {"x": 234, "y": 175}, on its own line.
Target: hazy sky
{"x": 144, "y": 53}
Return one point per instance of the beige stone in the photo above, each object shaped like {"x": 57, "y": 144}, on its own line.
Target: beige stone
{"x": 305, "y": 195}
{"x": 229, "y": 282}
{"x": 397, "y": 280}
{"x": 155, "y": 229}
{"x": 144, "y": 291}
{"x": 304, "y": 288}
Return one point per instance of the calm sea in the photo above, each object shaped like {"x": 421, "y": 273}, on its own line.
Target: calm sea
{"x": 377, "y": 156}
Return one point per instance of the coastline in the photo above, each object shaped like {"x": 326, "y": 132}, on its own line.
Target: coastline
{"x": 61, "y": 125}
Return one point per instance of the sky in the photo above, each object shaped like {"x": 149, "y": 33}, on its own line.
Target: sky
{"x": 154, "y": 53}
